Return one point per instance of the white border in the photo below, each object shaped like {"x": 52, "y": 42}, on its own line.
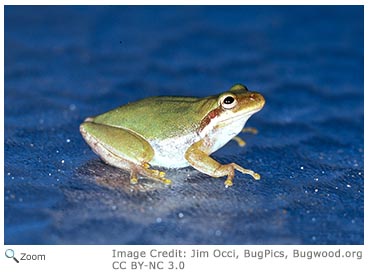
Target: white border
{"x": 98, "y": 258}
{"x": 184, "y": 2}
{"x": 2, "y": 124}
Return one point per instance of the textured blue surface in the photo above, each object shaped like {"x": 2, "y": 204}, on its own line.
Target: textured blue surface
{"x": 63, "y": 64}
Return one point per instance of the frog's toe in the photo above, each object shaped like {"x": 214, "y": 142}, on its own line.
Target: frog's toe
{"x": 133, "y": 180}
{"x": 239, "y": 141}
{"x": 250, "y": 130}
{"x": 133, "y": 177}
{"x": 228, "y": 183}
{"x": 166, "y": 181}
{"x": 159, "y": 175}
{"x": 156, "y": 175}
{"x": 146, "y": 166}
{"x": 256, "y": 176}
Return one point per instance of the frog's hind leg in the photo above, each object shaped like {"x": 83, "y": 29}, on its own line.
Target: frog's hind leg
{"x": 123, "y": 149}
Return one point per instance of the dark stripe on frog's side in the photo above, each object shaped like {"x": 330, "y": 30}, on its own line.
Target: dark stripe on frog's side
{"x": 207, "y": 119}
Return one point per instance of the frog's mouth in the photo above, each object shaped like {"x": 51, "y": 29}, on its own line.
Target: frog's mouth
{"x": 245, "y": 115}
{"x": 221, "y": 122}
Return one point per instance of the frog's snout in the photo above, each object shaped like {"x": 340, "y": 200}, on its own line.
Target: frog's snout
{"x": 257, "y": 98}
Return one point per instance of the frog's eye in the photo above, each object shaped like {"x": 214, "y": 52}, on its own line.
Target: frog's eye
{"x": 228, "y": 102}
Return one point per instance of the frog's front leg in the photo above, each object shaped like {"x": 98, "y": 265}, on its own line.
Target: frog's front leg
{"x": 123, "y": 149}
{"x": 200, "y": 160}
{"x": 239, "y": 140}
{"x": 250, "y": 130}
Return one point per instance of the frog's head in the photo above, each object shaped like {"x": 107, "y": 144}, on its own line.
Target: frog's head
{"x": 234, "y": 106}
{"x": 239, "y": 101}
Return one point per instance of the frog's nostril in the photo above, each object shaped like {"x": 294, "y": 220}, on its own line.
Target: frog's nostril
{"x": 257, "y": 98}
{"x": 252, "y": 96}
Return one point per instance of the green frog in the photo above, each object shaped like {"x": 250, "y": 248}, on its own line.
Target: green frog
{"x": 172, "y": 132}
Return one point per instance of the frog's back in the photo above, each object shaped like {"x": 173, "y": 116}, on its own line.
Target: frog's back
{"x": 157, "y": 117}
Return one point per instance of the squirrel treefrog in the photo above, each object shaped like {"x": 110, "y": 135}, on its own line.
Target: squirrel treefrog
{"x": 172, "y": 132}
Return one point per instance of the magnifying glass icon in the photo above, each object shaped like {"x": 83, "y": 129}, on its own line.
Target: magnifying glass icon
{"x": 9, "y": 253}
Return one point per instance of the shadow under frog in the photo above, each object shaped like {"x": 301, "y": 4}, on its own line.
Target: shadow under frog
{"x": 195, "y": 209}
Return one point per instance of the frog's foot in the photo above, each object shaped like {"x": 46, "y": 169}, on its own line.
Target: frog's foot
{"x": 133, "y": 177}
{"x": 229, "y": 170}
{"x": 146, "y": 171}
{"x": 239, "y": 141}
{"x": 158, "y": 175}
{"x": 201, "y": 161}
{"x": 250, "y": 130}
{"x": 255, "y": 175}
{"x": 155, "y": 174}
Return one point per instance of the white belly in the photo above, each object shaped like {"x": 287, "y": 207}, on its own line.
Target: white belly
{"x": 170, "y": 153}
{"x": 219, "y": 136}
